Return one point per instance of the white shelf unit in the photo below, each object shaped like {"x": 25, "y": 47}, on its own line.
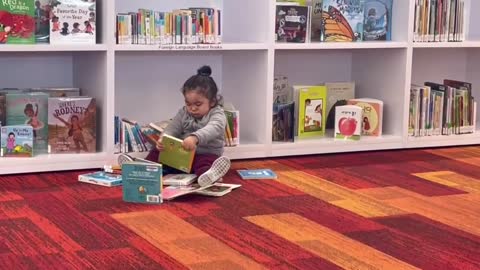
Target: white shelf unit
{"x": 142, "y": 82}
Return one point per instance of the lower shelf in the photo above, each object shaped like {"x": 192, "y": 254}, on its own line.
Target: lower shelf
{"x": 57, "y": 162}
{"x": 329, "y": 145}
{"x": 443, "y": 140}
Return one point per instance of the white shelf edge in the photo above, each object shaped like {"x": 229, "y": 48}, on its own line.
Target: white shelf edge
{"x": 443, "y": 140}
{"x": 53, "y": 162}
{"x": 433, "y": 45}
{"x": 52, "y": 48}
{"x": 192, "y": 47}
{"x": 329, "y": 145}
{"x": 341, "y": 45}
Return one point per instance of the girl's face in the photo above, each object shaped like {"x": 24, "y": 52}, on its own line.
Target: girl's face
{"x": 29, "y": 113}
{"x": 197, "y": 104}
{"x": 11, "y": 136}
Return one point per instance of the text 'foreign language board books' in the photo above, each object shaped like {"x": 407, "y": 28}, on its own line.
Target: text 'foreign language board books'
{"x": 174, "y": 155}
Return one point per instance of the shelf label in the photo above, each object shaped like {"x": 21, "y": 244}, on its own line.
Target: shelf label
{"x": 187, "y": 47}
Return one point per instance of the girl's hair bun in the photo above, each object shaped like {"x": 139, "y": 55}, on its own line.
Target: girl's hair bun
{"x": 204, "y": 71}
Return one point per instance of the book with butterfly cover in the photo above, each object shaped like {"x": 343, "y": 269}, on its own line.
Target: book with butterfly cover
{"x": 174, "y": 155}
{"x": 342, "y": 20}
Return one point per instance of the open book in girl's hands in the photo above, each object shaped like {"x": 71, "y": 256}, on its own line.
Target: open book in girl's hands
{"x": 174, "y": 155}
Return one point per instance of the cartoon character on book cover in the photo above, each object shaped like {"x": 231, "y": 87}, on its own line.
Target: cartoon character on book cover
{"x": 378, "y": 20}
{"x": 30, "y": 109}
{"x": 73, "y": 21}
{"x": 17, "y": 23}
{"x": 72, "y": 125}
{"x": 312, "y": 109}
{"x": 16, "y": 141}
{"x": 342, "y": 20}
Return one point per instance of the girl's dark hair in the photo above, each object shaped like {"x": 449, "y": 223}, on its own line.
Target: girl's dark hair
{"x": 10, "y": 134}
{"x": 204, "y": 84}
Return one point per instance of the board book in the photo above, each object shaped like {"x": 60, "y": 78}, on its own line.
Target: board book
{"x": 173, "y": 154}
{"x": 142, "y": 182}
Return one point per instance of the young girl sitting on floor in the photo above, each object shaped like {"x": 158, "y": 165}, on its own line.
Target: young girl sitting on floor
{"x": 201, "y": 124}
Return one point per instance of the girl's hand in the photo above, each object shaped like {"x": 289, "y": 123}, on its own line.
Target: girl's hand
{"x": 159, "y": 145}
{"x": 190, "y": 143}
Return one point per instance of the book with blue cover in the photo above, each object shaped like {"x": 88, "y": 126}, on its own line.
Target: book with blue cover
{"x": 257, "y": 174}
{"x": 101, "y": 178}
{"x": 142, "y": 182}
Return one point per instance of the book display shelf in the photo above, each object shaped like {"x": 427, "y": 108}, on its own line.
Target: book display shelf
{"x": 142, "y": 82}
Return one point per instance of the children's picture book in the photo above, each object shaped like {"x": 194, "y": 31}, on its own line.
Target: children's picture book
{"x": 348, "y": 122}
{"x": 342, "y": 20}
{"x": 142, "y": 182}
{"x": 72, "y": 125}
{"x": 312, "y": 111}
{"x": 378, "y": 20}
{"x": 218, "y": 189}
{"x": 283, "y": 124}
{"x": 17, "y": 22}
{"x": 337, "y": 94}
{"x": 73, "y": 22}
{"x": 16, "y": 141}
{"x": 215, "y": 190}
{"x": 30, "y": 109}
{"x": 58, "y": 91}
{"x": 101, "y": 178}
{"x": 372, "y": 115}
{"x": 179, "y": 179}
{"x": 291, "y": 23}
{"x": 43, "y": 9}
{"x": 174, "y": 155}
{"x": 257, "y": 174}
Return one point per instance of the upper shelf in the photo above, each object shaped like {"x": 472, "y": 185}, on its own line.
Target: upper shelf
{"x": 52, "y": 48}
{"x": 463, "y": 44}
{"x": 341, "y": 45}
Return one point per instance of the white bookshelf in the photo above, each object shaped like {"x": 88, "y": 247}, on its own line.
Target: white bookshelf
{"x": 143, "y": 82}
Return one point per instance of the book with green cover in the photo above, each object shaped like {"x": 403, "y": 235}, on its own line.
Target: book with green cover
{"x": 174, "y": 155}
{"x": 17, "y": 22}
{"x": 312, "y": 111}
{"x": 142, "y": 182}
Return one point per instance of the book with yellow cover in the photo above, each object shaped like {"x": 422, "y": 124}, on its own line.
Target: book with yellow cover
{"x": 311, "y": 110}
{"x": 174, "y": 155}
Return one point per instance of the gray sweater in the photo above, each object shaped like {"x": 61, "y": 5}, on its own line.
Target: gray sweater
{"x": 210, "y": 130}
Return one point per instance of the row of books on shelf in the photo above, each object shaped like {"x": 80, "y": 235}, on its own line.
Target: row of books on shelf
{"x": 181, "y": 26}
{"x": 132, "y": 136}
{"x": 47, "y": 21}
{"x": 303, "y": 21}
{"x": 304, "y": 111}
{"x": 442, "y": 109}
{"x": 46, "y": 120}
{"x": 439, "y": 21}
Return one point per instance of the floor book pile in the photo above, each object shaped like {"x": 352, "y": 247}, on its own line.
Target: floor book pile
{"x": 46, "y": 120}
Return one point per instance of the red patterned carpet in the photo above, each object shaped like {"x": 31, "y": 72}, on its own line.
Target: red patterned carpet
{"x": 412, "y": 209}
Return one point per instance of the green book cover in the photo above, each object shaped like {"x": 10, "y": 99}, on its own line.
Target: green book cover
{"x": 17, "y": 22}
{"x": 312, "y": 111}
{"x": 174, "y": 155}
{"x": 142, "y": 182}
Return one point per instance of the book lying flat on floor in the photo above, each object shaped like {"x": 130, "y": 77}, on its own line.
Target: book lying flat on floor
{"x": 215, "y": 190}
{"x": 257, "y": 174}
{"x": 101, "y": 178}
{"x": 182, "y": 179}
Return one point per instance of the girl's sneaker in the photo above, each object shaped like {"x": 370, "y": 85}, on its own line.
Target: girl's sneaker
{"x": 219, "y": 168}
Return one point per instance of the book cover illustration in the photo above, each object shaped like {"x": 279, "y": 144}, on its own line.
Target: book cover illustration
{"x": 372, "y": 115}
{"x": 174, "y": 155}
{"x": 316, "y": 21}
{"x": 337, "y": 95}
{"x": 312, "y": 111}
{"x": 43, "y": 10}
{"x": 378, "y": 20}
{"x": 17, "y": 23}
{"x": 101, "y": 178}
{"x": 30, "y": 109}
{"x": 218, "y": 189}
{"x": 16, "y": 141}
{"x": 142, "y": 182}
{"x": 73, "y": 22}
{"x": 342, "y": 20}
{"x": 257, "y": 174}
{"x": 291, "y": 23}
{"x": 72, "y": 125}
{"x": 348, "y": 122}
{"x": 283, "y": 125}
